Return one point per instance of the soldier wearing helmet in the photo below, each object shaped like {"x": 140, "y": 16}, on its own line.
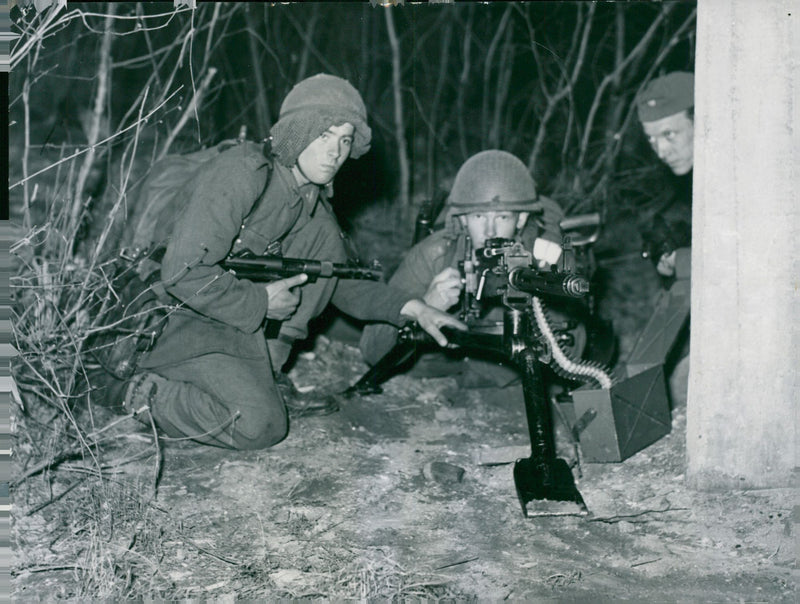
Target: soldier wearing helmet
{"x": 212, "y": 376}
{"x": 493, "y": 195}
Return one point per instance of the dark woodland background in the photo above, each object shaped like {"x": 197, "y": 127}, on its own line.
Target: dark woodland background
{"x": 552, "y": 82}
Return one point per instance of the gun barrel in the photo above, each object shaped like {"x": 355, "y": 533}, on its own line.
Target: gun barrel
{"x": 557, "y": 284}
{"x": 268, "y": 268}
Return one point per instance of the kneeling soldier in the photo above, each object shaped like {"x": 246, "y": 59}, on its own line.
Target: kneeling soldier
{"x": 212, "y": 374}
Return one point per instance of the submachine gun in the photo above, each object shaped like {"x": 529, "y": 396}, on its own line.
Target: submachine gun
{"x": 270, "y": 267}
{"x": 504, "y": 272}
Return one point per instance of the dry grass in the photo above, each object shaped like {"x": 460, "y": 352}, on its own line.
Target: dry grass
{"x": 81, "y": 481}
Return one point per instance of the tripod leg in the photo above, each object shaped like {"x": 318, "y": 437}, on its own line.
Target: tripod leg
{"x": 545, "y": 485}
{"x": 370, "y": 382}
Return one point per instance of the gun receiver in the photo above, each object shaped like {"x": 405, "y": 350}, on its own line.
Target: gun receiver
{"x": 505, "y": 268}
{"x": 269, "y": 268}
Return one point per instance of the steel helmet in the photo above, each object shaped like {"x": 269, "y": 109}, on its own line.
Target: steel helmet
{"x": 492, "y": 181}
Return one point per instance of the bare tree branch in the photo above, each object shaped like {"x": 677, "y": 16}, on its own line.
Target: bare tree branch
{"x": 402, "y": 150}
{"x": 93, "y": 134}
{"x": 567, "y": 84}
{"x": 437, "y": 96}
{"x": 488, "y": 68}
{"x": 262, "y": 102}
{"x": 190, "y": 109}
{"x": 463, "y": 82}
{"x": 86, "y": 149}
{"x": 609, "y": 78}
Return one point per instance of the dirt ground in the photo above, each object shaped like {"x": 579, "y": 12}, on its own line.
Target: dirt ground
{"x": 352, "y": 488}
{"x": 347, "y": 507}
{"x": 344, "y": 508}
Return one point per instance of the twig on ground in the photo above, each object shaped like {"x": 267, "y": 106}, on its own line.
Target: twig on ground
{"x": 562, "y": 580}
{"x": 203, "y": 550}
{"x": 55, "y": 498}
{"x": 159, "y": 463}
{"x": 55, "y": 567}
{"x": 645, "y": 562}
{"x": 456, "y": 563}
{"x": 46, "y": 464}
{"x": 621, "y": 517}
{"x": 775, "y": 553}
{"x": 93, "y": 435}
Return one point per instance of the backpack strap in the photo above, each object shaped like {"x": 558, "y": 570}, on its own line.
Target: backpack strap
{"x": 268, "y": 165}
{"x": 274, "y": 247}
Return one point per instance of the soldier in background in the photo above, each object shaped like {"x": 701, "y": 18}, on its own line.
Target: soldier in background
{"x": 666, "y": 111}
{"x": 665, "y": 108}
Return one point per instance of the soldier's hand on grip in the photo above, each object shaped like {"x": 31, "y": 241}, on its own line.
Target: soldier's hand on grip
{"x": 666, "y": 264}
{"x": 283, "y": 297}
{"x": 444, "y": 289}
{"x": 431, "y": 319}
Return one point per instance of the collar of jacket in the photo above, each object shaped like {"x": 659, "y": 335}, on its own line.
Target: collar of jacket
{"x": 309, "y": 193}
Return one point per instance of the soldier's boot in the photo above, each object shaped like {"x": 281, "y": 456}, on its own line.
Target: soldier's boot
{"x": 304, "y": 404}
{"x": 107, "y": 391}
{"x": 141, "y": 395}
{"x": 125, "y": 397}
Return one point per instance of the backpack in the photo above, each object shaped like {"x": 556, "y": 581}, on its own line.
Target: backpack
{"x": 157, "y": 199}
{"x": 135, "y": 305}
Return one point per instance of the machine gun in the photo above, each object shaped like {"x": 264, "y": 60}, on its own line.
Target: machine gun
{"x": 504, "y": 271}
{"x": 271, "y": 267}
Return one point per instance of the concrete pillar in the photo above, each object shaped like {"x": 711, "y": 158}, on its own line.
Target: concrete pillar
{"x": 743, "y": 389}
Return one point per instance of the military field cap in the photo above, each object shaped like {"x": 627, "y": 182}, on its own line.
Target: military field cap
{"x": 311, "y": 107}
{"x": 665, "y": 96}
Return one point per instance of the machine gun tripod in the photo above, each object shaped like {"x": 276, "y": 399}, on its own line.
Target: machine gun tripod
{"x": 504, "y": 271}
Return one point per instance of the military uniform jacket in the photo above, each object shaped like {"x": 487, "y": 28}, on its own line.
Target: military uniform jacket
{"x": 231, "y": 207}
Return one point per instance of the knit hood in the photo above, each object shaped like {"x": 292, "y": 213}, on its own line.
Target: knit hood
{"x": 311, "y": 107}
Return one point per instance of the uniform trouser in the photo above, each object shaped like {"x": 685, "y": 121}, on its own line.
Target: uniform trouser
{"x": 224, "y": 400}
